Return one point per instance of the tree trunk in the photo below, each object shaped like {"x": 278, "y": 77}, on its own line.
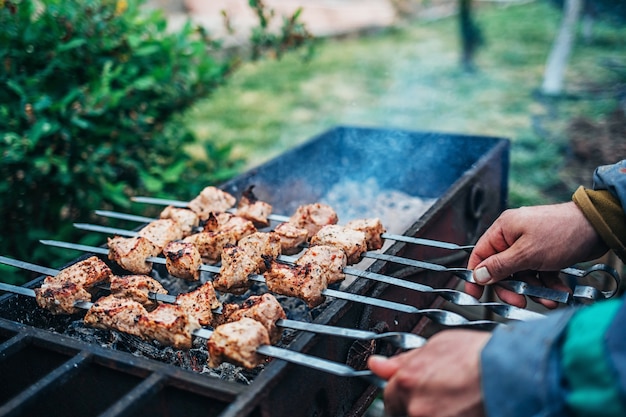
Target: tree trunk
{"x": 470, "y": 35}
{"x": 561, "y": 49}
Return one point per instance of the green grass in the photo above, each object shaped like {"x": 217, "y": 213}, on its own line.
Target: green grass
{"x": 409, "y": 77}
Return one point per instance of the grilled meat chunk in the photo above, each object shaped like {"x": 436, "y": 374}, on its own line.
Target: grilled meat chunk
{"x": 373, "y": 229}
{"x": 263, "y": 308}
{"x": 211, "y": 200}
{"x": 111, "y": 312}
{"x": 236, "y": 342}
{"x": 137, "y": 287}
{"x": 251, "y": 208}
{"x": 131, "y": 253}
{"x": 291, "y": 237}
{"x": 352, "y": 242}
{"x": 200, "y": 302}
{"x": 226, "y": 222}
{"x": 296, "y": 281}
{"x": 313, "y": 217}
{"x": 236, "y": 266}
{"x": 248, "y": 257}
{"x": 327, "y": 260}
{"x": 73, "y": 284}
{"x": 186, "y": 219}
{"x": 161, "y": 232}
{"x": 169, "y": 324}
{"x": 211, "y": 244}
{"x": 183, "y": 260}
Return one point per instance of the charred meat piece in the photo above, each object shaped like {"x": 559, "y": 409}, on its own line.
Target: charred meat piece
{"x": 327, "y": 260}
{"x": 186, "y": 219}
{"x": 226, "y": 222}
{"x": 137, "y": 288}
{"x": 261, "y": 246}
{"x": 248, "y": 257}
{"x": 373, "y": 229}
{"x": 169, "y": 324}
{"x": 183, "y": 260}
{"x": 211, "y": 200}
{"x": 352, "y": 242}
{"x": 236, "y": 342}
{"x": 131, "y": 253}
{"x": 200, "y": 302}
{"x": 111, "y": 312}
{"x": 263, "y": 308}
{"x": 161, "y": 232}
{"x": 211, "y": 244}
{"x": 291, "y": 237}
{"x": 251, "y": 208}
{"x": 236, "y": 266}
{"x": 313, "y": 217}
{"x": 296, "y": 281}
{"x": 73, "y": 284}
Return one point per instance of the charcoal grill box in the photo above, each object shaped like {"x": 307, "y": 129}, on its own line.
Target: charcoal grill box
{"x": 426, "y": 184}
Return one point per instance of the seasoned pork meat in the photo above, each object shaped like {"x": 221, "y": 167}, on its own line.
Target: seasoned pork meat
{"x": 247, "y": 257}
{"x": 226, "y": 222}
{"x": 261, "y": 246}
{"x": 373, "y": 229}
{"x": 251, "y": 208}
{"x": 161, "y": 232}
{"x": 131, "y": 253}
{"x": 183, "y": 260}
{"x": 169, "y": 324}
{"x": 186, "y": 219}
{"x": 200, "y": 302}
{"x": 263, "y": 308}
{"x": 137, "y": 287}
{"x": 296, "y": 281}
{"x": 313, "y": 217}
{"x": 236, "y": 266}
{"x": 211, "y": 200}
{"x": 73, "y": 284}
{"x": 352, "y": 242}
{"x": 236, "y": 342}
{"x": 211, "y": 244}
{"x": 111, "y": 312}
{"x": 59, "y": 298}
{"x": 327, "y": 260}
{"x": 291, "y": 237}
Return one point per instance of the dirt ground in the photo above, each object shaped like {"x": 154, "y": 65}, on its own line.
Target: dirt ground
{"x": 594, "y": 143}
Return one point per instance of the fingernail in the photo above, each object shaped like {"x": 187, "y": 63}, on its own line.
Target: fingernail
{"x": 482, "y": 276}
{"x": 378, "y": 358}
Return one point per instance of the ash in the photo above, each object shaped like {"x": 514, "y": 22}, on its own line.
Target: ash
{"x": 25, "y": 310}
{"x": 396, "y": 209}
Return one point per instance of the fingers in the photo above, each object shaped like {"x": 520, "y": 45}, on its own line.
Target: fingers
{"x": 382, "y": 366}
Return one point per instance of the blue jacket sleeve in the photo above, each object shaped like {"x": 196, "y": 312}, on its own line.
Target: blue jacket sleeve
{"x": 613, "y": 179}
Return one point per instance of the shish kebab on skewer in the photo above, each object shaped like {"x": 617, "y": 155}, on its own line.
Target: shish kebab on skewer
{"x": 443, "y": 317}
{"x": 220, "y": 341}
{"x": 146, "y": 294}
{"x": 581, "y": 293}
{"x": 212, "y": 198}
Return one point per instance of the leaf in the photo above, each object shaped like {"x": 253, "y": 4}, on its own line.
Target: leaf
{"x": 73, "y": 44}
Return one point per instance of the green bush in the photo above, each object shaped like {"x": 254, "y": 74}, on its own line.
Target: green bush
{"x": 91, "y": 101}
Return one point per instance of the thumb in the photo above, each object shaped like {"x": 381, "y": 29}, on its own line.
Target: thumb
{"x": 495, "y": 268}
{"x": 382, "y": 366}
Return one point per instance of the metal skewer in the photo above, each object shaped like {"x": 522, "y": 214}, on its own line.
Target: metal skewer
{"x": 443, "y": 317}
{"x": 580, "y": 293}
{"x": 454, "y": 296}
{"x": 268, "y": 350}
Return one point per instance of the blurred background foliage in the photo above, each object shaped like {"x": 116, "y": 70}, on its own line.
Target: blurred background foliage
{"x": 91, "y": 101}
{"x": 100, "y": 101}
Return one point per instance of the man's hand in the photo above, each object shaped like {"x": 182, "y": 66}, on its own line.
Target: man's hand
{"x": 526, "y": 240}
{"x": 440, "y": 379}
